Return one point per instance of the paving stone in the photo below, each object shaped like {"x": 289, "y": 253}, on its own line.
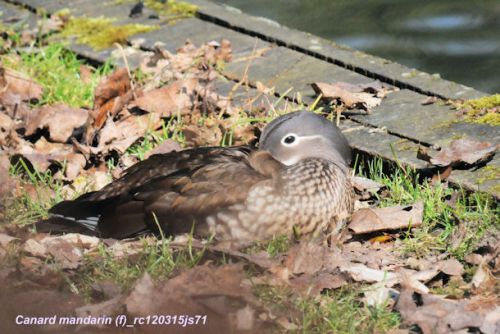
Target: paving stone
{"x": 249, "y": 98}
{"x": 267, "y": 68}
{"x": 309, "y": 70}
{"x": 378, "y": 143}
{"x": 16, "y": 17}
{"x": 485, "y": 179}
{"x": 324, "y": 49}
{"x": 50, "y": 6}
{"x": 198, "y": 32}
{"x": 402, "y": 113}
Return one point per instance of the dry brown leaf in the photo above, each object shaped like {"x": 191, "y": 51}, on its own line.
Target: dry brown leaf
{"x": 351, "y": 96}
{"x": 312, "y": 285}
{"x": 7, "y": 183}
{"x": 429, "y": 100}
{"x": 6, "y": 122}
{"x": 167, "y": 146}
{"x": 452, "y": 267}
{"x": 26, "y": 298}
{"x": 202, "y": 135}
{"x": 464, "y": 151}
{"x": 111, "y": 95}
{"x": 19, "y": 84}
{"x": 85, "y": 73}
{"x": 439, "y": 315}
{"x": 110, "y": 307}
{"x": 169, "y": 100}
{"x": 59, "y": 119}
{"x": 389, "y": 218}
{"x": 113, "y": 85}
{"x": 363, "y": 184}
{"x": 6, "y": 240}
{"x": 67, "y": 250}
{"x": 13, "y": 105}
{"x": 306, "y": 258}
{"x": 213, "y": 291}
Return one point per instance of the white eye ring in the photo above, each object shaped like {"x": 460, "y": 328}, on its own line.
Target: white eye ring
{"x": 289, "y": 139}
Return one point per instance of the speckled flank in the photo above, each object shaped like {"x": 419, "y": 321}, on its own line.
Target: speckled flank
{"x": 310, "y": 195}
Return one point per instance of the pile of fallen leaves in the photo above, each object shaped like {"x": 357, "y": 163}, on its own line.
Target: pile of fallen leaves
{"x": 72, "y": 142}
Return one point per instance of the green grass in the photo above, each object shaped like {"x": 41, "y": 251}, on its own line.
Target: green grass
{"x": 477, "y": 212}
{"x": 40, "y": 191}
{"x": 338, "y": 311}
{"x": 160, "y": 260}
{"x": 170, "y": 130}
{"x": 57, "y": 70}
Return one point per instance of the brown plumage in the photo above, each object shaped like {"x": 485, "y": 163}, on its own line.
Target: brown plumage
{"x": 299, "y": 177}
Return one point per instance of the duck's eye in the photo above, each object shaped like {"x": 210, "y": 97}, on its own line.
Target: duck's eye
{"x": 289, "y": 139}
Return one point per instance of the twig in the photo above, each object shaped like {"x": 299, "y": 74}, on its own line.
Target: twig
{"x": 132, "y": 85}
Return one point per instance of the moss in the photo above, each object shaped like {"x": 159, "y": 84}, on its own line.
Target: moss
{"x": 100, "y": 33}
{"x": 485, "y": 110}
{"x": 171, "y": 10}
{"x": 172, "y": 7}
{"x": 489, "y": 173}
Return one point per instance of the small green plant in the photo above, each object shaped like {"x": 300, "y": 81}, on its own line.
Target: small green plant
{"x": 57, "y": 70}
{"x": 477, "y": 212}
{"x": 338, "y": 311}
{"x": 170, "y": 130}
{"x": 39, "y": 192}
{"x": 159, "y": 259}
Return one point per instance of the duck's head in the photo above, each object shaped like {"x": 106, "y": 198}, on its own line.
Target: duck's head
{"x": 301, "y": 135}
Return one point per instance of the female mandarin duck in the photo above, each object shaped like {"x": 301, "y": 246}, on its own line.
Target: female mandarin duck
{"x": 299, "y": 177}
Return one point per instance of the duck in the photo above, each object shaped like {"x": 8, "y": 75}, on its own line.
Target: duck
{"x": 297, "y": 179}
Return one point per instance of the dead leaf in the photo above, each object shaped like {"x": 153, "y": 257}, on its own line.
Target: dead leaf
{"x": 7, "y": 183}
{"x": 109, "y": 307}
{"x": 389, "y": 218}
{"x": 306, "y": 258}
{"x": 213, "y": 291}
{"x": 167, "y": 146}
{"x": 452, "y": 267}
{"x": 351, "y": 96}
{"x": 85, "y": 73}
{"x": 464, "y": 151}
{"x": 67, "y": 250}
{"x": 6, "y": 240}
{"x": 363, "y": 184}
{"x": 59, "y": 119}
{"x": 175, "y": 98}
{"x": 429, "y": 100}
{"x": 202, "y": 135}
{"x": 313, "y": 285}
{"x": 20, "y": 84}
{"x": 439, "y": 315}
{"x": 113, "y": 85}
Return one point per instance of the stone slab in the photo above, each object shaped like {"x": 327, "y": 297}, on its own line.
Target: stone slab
{"x": 309, "y": 70}
{"x": 198, "y": 32}
{"x": 266, "y": 68}
{"x": 16, "y": 17}
{"x": 402, "y": 113}
{"x": 360, "y": 62}
{"x": 485, "y": 179}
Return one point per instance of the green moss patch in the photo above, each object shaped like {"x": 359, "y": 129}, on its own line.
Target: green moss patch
{"x": 100, "y": 33}
{"x": 169, "y": 9}
{"x": 485, "y": 110}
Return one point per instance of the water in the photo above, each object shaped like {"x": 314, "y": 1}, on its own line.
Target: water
{"x": 459, "y": 39}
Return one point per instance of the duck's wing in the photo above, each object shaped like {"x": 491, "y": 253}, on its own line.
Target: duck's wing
{"x": 176, "y": 191}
